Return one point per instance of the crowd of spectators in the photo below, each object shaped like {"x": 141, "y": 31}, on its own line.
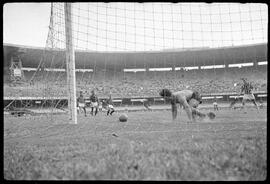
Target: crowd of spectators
{"x": 140, "y": 84}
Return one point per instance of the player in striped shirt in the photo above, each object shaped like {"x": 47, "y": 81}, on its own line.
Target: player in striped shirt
{"x": 246, "y": 89}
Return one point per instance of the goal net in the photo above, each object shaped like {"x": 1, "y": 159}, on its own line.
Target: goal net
{"x": 132, "y": 50}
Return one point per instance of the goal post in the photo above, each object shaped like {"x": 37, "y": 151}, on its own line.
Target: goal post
{"x": 70, "y": 65}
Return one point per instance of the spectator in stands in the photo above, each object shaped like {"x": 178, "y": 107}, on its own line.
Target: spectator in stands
{"x": 206, "y": 82}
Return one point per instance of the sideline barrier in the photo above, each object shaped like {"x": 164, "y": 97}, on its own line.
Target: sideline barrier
{"x": 61, "y": 102}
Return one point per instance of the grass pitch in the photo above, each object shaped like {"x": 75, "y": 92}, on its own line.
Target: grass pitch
{"x": 149, "y": 146}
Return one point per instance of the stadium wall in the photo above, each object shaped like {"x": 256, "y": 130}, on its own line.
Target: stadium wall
{"x": 35, "y": 102}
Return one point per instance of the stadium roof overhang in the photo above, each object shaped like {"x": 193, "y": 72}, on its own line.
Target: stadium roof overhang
{"x": 31, "y": 57}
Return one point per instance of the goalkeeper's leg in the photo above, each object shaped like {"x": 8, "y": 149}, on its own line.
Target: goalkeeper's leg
{"x": 112, "y": 111}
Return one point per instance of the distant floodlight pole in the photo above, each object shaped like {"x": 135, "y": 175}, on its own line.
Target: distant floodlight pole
{"x": 70, "y": 65}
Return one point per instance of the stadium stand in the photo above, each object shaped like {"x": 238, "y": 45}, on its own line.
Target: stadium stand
{"x": 142, "y": 83}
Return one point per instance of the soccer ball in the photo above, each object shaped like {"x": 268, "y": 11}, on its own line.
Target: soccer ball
{"x": 194, "y": 103}
{"x": 211, "y": 115}
{"x": 123, "y": 117}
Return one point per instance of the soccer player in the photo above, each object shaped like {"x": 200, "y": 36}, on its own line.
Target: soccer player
{"x": 81, "y": 103}
{"x": 146, "y": 104}
{"x": 215, "y": 105}
{"x": 260, "y": 104}
{"x": 248, "y": 95}
{"x": 183, "y": 97}
{"x": 100, "y": 103}
{"x": 233, "y": 103}
{"x": 94, "y": 102}
{"x": 110, "y": 106}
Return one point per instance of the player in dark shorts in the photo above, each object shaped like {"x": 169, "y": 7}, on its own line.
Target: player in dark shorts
{"x": 94, "y": 102}
{"x": 248, "y": 95}
{"x": 110, "y": 108}
{"x": 81, "y": 103}
{"x": 184, "y": 98}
